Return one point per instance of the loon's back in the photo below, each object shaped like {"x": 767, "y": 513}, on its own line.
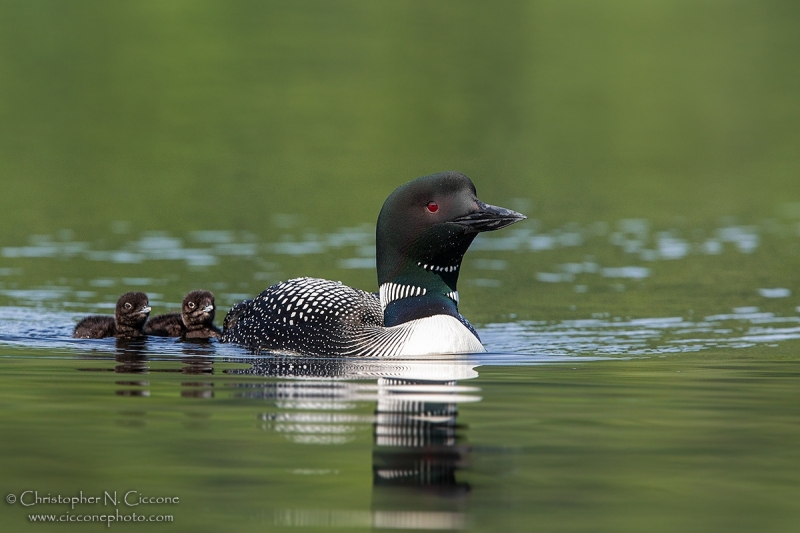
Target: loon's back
{"x": 312, "y": 316}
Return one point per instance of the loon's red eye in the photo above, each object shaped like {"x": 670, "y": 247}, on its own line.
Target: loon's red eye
{"x": 432, "y": 207}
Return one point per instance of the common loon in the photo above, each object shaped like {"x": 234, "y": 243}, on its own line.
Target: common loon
{"x": 423, "y": 231}
{"x": 129, "y": 318}
{"x": 195, "y": 321}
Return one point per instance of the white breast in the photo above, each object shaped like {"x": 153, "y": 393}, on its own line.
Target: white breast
{"x": 437, "y": 334}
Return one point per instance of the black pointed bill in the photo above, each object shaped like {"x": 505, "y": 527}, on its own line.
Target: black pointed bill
{"x": 489, "y": 218}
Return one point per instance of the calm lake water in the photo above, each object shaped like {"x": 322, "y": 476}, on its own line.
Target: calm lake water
{"x": 642, "y": 327}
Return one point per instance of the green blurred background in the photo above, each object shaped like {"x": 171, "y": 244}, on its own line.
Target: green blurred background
{"x": 214, "y": 115}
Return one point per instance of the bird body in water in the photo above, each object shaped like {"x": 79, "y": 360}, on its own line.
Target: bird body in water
{"x": 195, "y": 321}
{"x": 423, "y": 231}
{"x": 130, "y": 315}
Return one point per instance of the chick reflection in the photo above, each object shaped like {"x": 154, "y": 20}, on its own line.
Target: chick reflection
{"x": 419, "y": 447}
{"x": 131, "y": 358}
{"x": 197, "y": 365}
{"x": 196, "y": 362}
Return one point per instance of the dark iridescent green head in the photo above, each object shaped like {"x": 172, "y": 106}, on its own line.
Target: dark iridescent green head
{"x": 426, "y": 226}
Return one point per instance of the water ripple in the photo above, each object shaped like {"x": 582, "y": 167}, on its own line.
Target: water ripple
{"x": 641, "y": 336}
{"x": 508, "y": 343}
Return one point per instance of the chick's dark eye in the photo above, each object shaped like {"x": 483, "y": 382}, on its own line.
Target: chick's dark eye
{"x": 191, "y": 305}
{"x": 128, "y": 305}
{"x": 432, "y": 207}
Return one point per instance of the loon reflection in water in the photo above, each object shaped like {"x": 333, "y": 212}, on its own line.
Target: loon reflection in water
{"x": 419, "y": 447}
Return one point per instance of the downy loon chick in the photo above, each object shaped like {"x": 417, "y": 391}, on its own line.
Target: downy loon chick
{"x": 195, "y": 321}
{"x": 129, "y": 318}
{"x": 422, "y": 234}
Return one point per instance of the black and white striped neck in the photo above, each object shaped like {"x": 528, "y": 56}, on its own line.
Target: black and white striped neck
{"x": 438, "y": 268}
{"x": 392, "y": 292}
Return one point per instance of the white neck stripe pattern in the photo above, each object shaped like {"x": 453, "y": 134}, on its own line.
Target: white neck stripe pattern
{"x": 436, "y": 268}
{"x": 390, "y": 292}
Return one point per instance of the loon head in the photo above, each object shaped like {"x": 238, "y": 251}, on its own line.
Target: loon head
{"x": 132, "y": 310}
{"x": 423, "y": 232}
{"x": 198, "y": 309}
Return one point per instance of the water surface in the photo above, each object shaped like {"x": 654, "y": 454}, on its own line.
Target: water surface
{"x": 631, "y": 421}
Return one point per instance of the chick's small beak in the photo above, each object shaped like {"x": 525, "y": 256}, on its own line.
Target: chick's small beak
{"x": 145, "y": 310}
{"x": 208, "y": 308}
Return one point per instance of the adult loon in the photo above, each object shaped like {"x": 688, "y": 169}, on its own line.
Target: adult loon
{"x": 423, "y": 232}
{"x": 130, "y": 315}
{"x": 195, "y": 321}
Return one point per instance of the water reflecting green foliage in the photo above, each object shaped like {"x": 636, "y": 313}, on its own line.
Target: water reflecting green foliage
{"x": 165, "y": 147}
